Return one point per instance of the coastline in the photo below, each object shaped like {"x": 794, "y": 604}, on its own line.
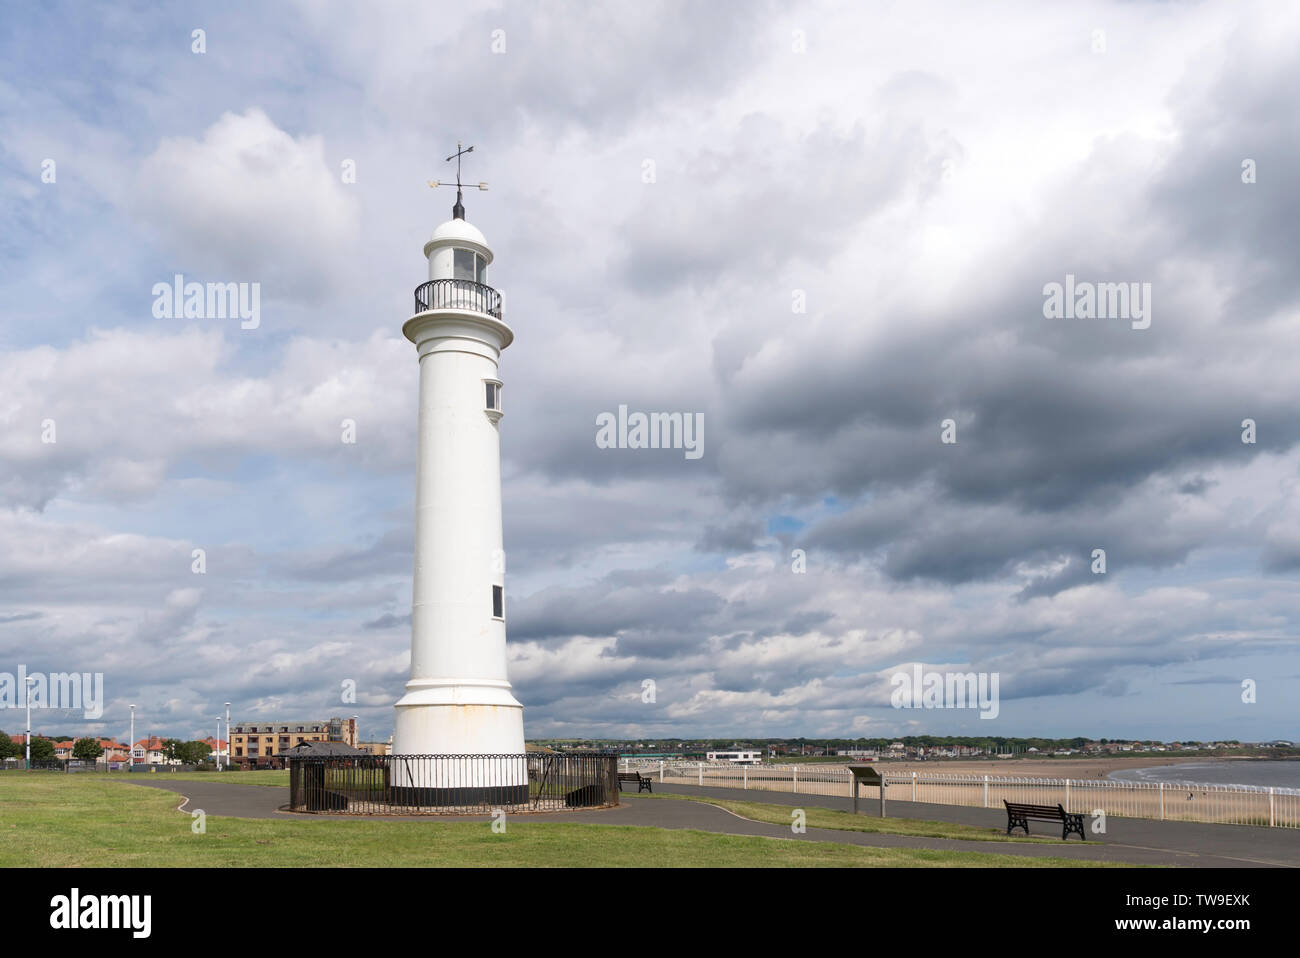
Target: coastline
{"x": 1073, "y": 768}
{"x": 1253, "y": 773}
{"x": 1213, "y": 770}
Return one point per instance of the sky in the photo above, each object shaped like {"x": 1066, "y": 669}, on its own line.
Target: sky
{"x": 824, "y": 228}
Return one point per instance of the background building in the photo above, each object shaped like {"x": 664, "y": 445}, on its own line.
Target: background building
{"x": 219, "y": 747}
{"x": 149, "y": 751}
{"x": 343, "y": 730}
{"x": 737, "y": 756}
{"x": 263, "y": 744}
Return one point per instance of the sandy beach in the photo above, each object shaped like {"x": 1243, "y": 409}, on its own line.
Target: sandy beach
{"x": 1076, "y": 768}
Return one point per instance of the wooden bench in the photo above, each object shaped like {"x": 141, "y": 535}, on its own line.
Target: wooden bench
{"x": 642, "y": 781}
{"x": 1019, "y": 815}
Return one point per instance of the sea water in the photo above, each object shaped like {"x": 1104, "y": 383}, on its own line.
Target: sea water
{"x": 1260, "y": 772}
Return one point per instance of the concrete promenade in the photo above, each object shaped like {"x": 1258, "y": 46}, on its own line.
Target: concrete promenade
{"x": 1131, "y": 841}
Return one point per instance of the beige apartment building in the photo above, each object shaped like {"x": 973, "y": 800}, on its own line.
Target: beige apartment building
{"x": 263, "y": 744}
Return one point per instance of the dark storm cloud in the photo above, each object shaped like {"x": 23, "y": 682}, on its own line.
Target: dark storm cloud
{"x": 19, "y": 617}
{"x": 1060, "y": 422}
{"x": 566, "y": 525}
{"x": 391, "y": 553}
{"x": 1195, "y": 486}
{"x": 1282, "y": 558}
{"x": 775, "y": 198}
{"x": 1240, "y": 113}
{"x": 740, "y": 536}
{"x": 658, "y": 643}
{"x": 606, "y": 608}
{"x": 805, "y": 622}
{"x": 388, "y": 621}
{"x": 947, "y": 541}
{"x": 1210, "y": 680}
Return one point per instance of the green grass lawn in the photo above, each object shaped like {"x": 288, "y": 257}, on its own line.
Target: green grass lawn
{"x": 56, "y": 820}
{"x": 847, "y": 821}
{"x": 262, "y": 777}
{"x": 357, "y": 782}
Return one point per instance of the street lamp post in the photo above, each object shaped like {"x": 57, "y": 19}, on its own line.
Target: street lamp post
{"x": 27, "y": 697}
{"x": 131, "y": 745}
{"x": 227, "y": 735}
{"x": 217, "y": 743}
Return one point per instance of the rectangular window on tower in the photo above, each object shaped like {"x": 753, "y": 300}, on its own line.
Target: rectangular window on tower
{"x": 463, "y": 265}
{"x": 493, "y": 395}
{"x": 498, "y": 602}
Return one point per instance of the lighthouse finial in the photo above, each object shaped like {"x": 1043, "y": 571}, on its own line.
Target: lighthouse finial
{"x": 458, "y": 211}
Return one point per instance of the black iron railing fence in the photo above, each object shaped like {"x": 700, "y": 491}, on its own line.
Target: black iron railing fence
{"x": 452, "y": 784}
{"x": 457, "y": 294}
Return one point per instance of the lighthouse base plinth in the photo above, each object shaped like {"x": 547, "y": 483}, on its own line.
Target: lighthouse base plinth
{"x": 487, "y": 796}
{"x": 421, "y": 728}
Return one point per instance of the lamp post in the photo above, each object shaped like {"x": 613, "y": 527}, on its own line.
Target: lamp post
{"x": 27, "y": 697}
{"x": 131, "y": 749}
{"x": 227, "y": 735}
{"x": 218, "y": 743}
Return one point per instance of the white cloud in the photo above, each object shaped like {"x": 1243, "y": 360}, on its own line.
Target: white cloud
{"x": 249, "y": 202}
{"x": 128, "y": 406}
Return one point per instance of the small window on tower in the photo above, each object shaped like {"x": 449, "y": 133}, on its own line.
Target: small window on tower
{"x": 463, "y": 264}
{"x": 493, "y": 396}
{"x": 498, "y": 602}
{"x": 480, "y": 269}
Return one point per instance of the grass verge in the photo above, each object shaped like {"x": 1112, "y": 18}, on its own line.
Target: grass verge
{"x": 263, "y": 777}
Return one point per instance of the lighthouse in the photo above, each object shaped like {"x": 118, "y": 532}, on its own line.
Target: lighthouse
{"x": 458, "y": 700}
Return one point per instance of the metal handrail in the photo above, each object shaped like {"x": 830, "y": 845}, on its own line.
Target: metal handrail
{"x": 458, "y": 294}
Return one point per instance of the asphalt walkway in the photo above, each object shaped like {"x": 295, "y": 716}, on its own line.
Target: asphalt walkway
{"x": 1131, "y": 841}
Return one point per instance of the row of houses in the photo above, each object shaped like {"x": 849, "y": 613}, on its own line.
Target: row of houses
{"x": 897, "y": 750}
{"x": 147, "y": 751}
{"x": 1115, "y": 747}
{"x": 260, "y": 744}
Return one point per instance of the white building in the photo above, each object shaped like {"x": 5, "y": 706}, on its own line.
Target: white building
{"x": 737, "y": 756}
{"x": 458, "y": 699}
{"x": 867, "y": 753}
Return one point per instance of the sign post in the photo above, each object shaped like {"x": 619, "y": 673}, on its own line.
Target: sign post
{"x": 866, "y": 775}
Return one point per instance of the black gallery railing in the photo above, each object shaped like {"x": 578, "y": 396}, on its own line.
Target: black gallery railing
{"x": 458, "y": 294}
{"x": 452, "y": 784}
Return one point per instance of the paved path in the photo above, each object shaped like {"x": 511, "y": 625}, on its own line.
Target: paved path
{"x": 1132, "y": 841}
{"x": 216, "y": 798}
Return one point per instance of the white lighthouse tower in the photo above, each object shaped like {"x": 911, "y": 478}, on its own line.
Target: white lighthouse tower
{"x": 458, "y": 699}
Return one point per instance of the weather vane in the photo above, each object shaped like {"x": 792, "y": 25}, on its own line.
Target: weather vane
{"x": 458, "y": 211}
